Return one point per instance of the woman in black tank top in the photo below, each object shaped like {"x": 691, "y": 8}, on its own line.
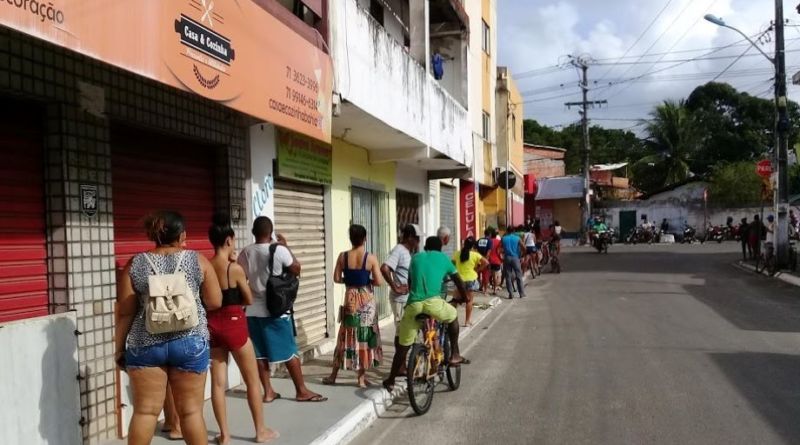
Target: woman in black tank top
{"x": 228, "y": 328}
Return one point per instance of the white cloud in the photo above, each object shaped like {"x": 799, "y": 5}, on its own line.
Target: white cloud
{"x": 539, "y": 34}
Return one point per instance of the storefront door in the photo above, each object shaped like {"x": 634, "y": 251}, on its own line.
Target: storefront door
{"x": 371, "y": 210}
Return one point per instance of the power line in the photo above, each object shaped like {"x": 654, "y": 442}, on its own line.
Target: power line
{"x": 746, "y": 50}
{"x": 679, "y": 38}
{"x": 638, "y": 39}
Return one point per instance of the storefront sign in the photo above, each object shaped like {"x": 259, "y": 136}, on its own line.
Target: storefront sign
{"x": 468, "y": 210}
{"x": 88, "y": 199}
{"x": 303, "y": 159}
{"x": 232, "y": 52}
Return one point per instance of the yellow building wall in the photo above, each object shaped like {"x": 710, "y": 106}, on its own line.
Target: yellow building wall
{"x": 351, "y": 161}
{"x": 515, "y": 141}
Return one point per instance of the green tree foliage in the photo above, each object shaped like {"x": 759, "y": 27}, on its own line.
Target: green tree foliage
{"x": 672, "y": 137}
{"x": 735, "y": 184}
{"x": 608, "y": 145}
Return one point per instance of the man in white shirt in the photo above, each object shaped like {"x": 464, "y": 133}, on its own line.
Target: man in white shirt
{"x": 272, "y": 334}
{"x": 395, "y": 269}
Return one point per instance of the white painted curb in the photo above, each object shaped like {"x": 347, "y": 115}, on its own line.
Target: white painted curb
{"x": 378, "y": 401}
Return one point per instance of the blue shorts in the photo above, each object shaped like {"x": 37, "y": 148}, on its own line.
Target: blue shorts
{"x": 190, "y": 354}
{"x": 472, "y": 285}
{"x": 531, "y": 250}
{"x": 273, "y": 338}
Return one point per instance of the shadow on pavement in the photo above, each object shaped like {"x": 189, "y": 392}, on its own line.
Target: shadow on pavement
{"x": 769, "y": 383}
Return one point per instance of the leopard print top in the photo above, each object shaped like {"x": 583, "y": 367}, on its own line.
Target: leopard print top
{"x": 140, "y": 270}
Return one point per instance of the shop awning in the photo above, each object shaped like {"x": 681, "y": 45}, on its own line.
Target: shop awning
{"x": 565, "y": 187}
{"x": 607, "y": 167}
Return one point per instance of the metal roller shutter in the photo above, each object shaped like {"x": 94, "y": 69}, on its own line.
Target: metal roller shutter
{"x": 23, "y": 248}
{"x": 300, "y": 217}
{"x": 447, "y": 215}
{"x": 153, "y": 172}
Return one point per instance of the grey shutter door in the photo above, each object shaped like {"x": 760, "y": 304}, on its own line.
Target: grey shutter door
{"x": 300, "y": 217}
{"x": 447, "y": 215}
{"x": 371, "y": 210}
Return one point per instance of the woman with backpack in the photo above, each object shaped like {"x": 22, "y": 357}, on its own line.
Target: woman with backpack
{"x": 161, "y": 331}
{"x": 228, "y": 328}
{"x": 358, "y": 345}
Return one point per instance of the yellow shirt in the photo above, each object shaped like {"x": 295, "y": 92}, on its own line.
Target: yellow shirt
{"x": 466, "y": 270}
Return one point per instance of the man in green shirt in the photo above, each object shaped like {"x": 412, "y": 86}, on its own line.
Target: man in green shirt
{"x": 427, "y": 272}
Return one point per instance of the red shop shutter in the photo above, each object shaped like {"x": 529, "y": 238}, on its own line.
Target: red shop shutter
{"x": 153, "y": 172}
{"x": 23, "y": 251}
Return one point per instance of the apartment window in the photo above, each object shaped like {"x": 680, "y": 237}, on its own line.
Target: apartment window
{"x": 376, "y": 10}
{"x": 486, "y": 41}
{"x": 486, "y": 128}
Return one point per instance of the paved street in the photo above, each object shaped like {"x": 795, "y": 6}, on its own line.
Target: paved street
{"x": 649, "y": 344}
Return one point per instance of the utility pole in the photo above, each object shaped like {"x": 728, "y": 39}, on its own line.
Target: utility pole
{"x": 583, "y": 64}
{"x": 782, "y": 127}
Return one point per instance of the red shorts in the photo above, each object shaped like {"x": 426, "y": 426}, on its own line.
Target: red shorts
{"x": 228, "y": 327}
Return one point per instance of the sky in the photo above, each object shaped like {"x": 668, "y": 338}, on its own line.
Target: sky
{"x": 646, "y": 40}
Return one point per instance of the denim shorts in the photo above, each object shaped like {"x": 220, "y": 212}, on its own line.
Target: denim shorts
{"x": 190, "y": 354}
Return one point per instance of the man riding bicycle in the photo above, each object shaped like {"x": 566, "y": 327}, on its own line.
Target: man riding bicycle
{"x": 427, "y": 273}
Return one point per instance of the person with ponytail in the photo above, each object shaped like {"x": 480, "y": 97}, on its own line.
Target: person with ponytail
{"x": 228, "y": 328}
{"x": 469, "y": 264}
{"x": 179, "y": 357}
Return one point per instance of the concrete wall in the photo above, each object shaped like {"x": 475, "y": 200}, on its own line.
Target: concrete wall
{"x": 351, "y": 163}
{"x": 40, "y": 392}
{"x": 378, "y": 75}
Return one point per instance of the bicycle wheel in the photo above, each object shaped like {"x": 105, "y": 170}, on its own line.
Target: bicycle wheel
{"x": 453, "y": 374}
{"x": 420, "y": 386}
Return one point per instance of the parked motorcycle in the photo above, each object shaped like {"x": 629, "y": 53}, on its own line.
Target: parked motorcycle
{"x": 715, "y": 233}
{"x": 689, "y": 235}
{"x": 640, "y": 235}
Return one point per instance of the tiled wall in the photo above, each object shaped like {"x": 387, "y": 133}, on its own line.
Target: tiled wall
{"x": 81, "y": 250}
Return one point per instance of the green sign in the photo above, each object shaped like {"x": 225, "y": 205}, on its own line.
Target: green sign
{"x": 303, "y": 159}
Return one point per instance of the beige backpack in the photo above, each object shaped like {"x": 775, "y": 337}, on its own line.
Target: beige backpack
{"x": 171, "y": 305}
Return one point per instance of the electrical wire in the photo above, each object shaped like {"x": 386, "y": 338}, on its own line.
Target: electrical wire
{"x": 638, "y": 39}
{"x": 730, "y": 65}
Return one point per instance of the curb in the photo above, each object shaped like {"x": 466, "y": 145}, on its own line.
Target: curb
{"x": 783, "y": 276}
{"x": 378, "y": 401}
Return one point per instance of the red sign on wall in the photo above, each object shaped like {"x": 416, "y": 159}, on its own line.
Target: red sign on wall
{"x": 469, "y": 214}
{"x": 764, "y": 168}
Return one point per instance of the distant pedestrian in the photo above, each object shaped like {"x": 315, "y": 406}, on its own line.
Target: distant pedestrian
{"x": 484, "y": 246}
{"x": 747, "y": 250}
{"x": 153, "y": 351}
{"x": 229, "y": 335}
{"x": 358, "y": 345}
{"x": 469, "y": 264}
{"x": 511, "y": 250}
{"x": 272, "y": 334}
{"x": 444, "y": 236}
{"x": 754, "y": 234}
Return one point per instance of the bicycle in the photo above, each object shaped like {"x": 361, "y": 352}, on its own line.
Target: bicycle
{"x": 555, "y": 263}
{"x": 429, "y": 361}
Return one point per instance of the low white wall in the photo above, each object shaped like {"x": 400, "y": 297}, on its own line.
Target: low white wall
{"x": 677, "y": 215}
{"x": 39, "y": 391}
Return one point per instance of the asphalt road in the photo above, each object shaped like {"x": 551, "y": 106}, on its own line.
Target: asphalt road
{"x": 648, "y": 344}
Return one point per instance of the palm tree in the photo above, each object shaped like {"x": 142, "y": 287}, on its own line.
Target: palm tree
{"x": 672, "y": 137}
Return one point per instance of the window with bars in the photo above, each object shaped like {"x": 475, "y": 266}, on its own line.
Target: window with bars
{"x": 486, "y": 40}
{"x": 486, "y": 130}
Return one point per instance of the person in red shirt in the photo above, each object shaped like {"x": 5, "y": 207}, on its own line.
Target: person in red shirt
{"x": 495, "y": 262}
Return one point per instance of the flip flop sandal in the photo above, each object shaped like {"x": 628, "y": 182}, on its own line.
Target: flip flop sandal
{"x": 465, "y": 361}
{"x": 277, "y": 396}
{"x": 314, "y": 399}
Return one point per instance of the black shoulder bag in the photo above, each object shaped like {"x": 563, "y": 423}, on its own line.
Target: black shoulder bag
{"x": 281, "y": 289}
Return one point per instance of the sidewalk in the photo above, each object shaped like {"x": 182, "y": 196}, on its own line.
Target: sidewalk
{"x": 348, "y": 411}
{"x": 785, "y": 276}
